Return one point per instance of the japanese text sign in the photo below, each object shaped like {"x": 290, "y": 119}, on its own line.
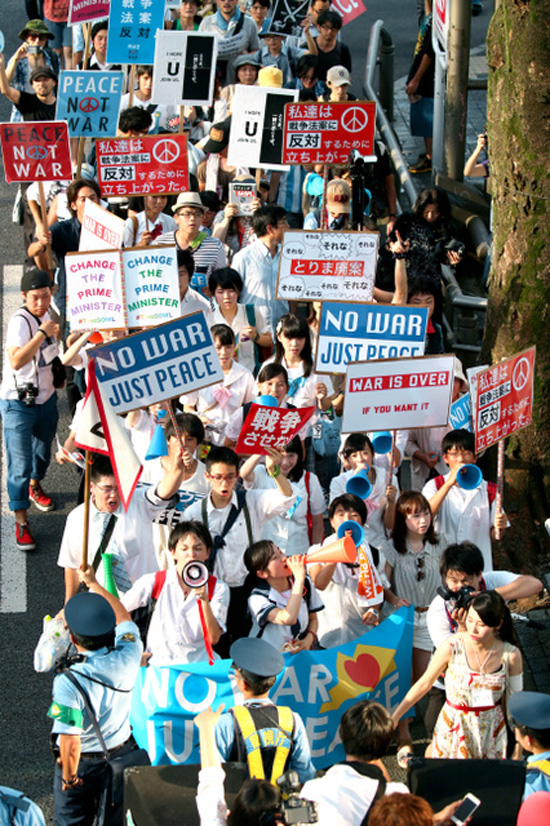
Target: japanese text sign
{"x": 132, "y": 28}
{"x": 256, "y": 136}
{"x": 95, "y": 295}
{"x": 137, "y": 166}
{"x": 90, "y": 102}
{"x": 327, "y": 266}
{"x": 504, "y": 400}
{"x": 398, "y": 394}
{"x": 325, "y": 132}
{"x": 242, "y": 194}
{"x": 36, "y": 151}
{"x": 151, "y": 285}
{"x": 158, "y": 364}
{"x": 100, "y": 229}
{"x": 270, "y": 427}
{"x": 361, "y": 332}
{"x": 185, "y": 68}
{"x": 83, "y": 11}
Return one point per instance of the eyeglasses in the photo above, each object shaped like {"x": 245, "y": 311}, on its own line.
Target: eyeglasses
{"x": 420, "y": 572}
{"x": 328, "y": 28}
{"x": 225, "y": 477}
{"x": 189, "y": 215}
{"x": 106, "y": 488}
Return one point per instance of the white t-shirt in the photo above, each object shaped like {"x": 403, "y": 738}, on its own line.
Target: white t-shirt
{"x": 132, "y": 236}
{"x": 22, "y": 326}
{"x": 245, "y": 354}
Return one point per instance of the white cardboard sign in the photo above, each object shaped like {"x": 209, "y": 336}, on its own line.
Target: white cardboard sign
{"x": 256, "y": 136}
{"x": 185, "y": 68}
{"x": 100, "y": 229}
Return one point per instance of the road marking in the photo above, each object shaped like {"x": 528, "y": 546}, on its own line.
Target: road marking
{"x": 13, "y": 563}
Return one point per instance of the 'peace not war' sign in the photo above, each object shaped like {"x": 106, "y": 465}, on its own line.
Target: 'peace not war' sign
{"x": 36, "y": 151}
{"x": 159, "y": 364}
{"x": 90, "y": 102}
{"x": 361, "y": 332}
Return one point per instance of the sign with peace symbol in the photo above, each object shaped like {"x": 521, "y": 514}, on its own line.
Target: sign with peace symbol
{"x": 354, "y": 119}
{"x": 37, "y": 153}
{"x": 88, "y": 104}
{"x": 166, "y": 151}
{"x": 521, "y": 374}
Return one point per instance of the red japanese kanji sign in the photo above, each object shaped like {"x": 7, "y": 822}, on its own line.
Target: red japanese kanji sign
{"x": 504, "y": 399}
{"x": 138, "y": 166}
{"x": 270, "y": 427}
{"x": 326, "y": 132}
{"x": 36, "y": 151}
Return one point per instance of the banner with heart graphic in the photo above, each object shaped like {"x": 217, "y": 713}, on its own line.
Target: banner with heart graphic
{"x": 318, "y": 685}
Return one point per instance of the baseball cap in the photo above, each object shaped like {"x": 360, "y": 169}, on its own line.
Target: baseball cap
{"x": 43, "y": 71}
{"x": 338, "y": 76}
{"x": 270, "y": 76}
{"x": 35, "y": 279}
{"x": 218, "y": 137}
{"x": 338, "y": 196}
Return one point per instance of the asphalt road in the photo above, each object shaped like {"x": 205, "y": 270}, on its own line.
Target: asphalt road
{"x": 31, "y": 585}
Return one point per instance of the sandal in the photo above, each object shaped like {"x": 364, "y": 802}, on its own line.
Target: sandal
{"x": 404, "y": 754}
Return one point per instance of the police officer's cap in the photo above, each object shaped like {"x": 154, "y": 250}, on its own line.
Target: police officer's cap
{"x": 257, "y": 657}
{"x": 531, "y": 709}
{"x": 89, "y": 615}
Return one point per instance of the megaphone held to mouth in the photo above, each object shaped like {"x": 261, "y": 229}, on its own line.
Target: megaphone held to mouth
{"x": 343, "y": 550}
{"x": 194, "y": 574}
{"x": 359, "y": 484}
{"x": 357, "y": 532}
{"x": 469, "y": 477}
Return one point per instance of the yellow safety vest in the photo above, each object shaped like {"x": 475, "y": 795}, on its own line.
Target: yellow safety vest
{"x": 279, "y": 738}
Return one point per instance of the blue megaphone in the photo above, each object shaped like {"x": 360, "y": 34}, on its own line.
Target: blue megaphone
{"x": 158, "y": 446}
{"x": 359, "y": 485}
{"x": 469, "y": 477}
{"x": 382, "y": 441}
{"x": 357, "y": 532}
{"x": 267, "y": 401}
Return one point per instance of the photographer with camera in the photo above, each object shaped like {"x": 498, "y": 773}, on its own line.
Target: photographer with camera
{"x": 28, "y": 400}
{"x": 461, "y": 569}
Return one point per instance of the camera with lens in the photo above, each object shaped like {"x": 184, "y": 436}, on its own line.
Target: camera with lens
{"x": 27, "y": 394}
{"x": 455, "y": 246}
{"x": 460, "y": 598}
{"x": 295, "y": 809}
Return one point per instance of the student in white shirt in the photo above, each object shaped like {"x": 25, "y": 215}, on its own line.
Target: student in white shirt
{"x": 142, "y": 229}
{"x": 191, "y": 301}
{"x": 175, "y": 633}
{"x": 216, "y": 404}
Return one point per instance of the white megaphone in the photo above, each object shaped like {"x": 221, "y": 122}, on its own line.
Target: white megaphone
{"x": 194, "y": 574}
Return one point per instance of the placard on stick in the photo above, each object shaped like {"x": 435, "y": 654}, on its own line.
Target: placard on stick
{"x": 36, "y": 151}
{"x": 151, "y": 285}
{"x": 398, "y": 394}
{"x": 90, "y": 102}
{"x": 100, "y": 229}
{"x": 327, "y": 132}
{"x": 270, "y": 427}
{"x": 504, "y": 399}
{"x": 158, "y": 364}
{"x": 327, "y": 266}
{"x": 132, "y": 28}
{"x": 185, "y": 68}
{"x": 84, "y": 11}
{"x": 138, "y": 166}
{"x": 362, "y": 332}
{"x": 95, "y": 294}
{"x": 256, "y": 136}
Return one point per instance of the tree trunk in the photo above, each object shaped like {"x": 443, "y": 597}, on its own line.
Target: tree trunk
{"x": 519, "y": 288}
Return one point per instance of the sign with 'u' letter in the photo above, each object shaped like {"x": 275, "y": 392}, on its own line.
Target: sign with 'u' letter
{"x": 256, "y": 136}
{"x": 185, "y": 68}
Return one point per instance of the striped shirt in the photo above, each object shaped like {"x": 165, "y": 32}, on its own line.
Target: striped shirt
{"x": 208, "y": 256}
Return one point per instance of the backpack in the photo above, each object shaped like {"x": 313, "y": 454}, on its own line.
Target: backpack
{"x": 491, "y": 488}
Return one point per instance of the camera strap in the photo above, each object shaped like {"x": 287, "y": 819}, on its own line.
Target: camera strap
{"x": 34, "y": 361}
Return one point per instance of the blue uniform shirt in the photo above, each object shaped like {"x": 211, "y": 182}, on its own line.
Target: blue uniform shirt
{"x": 537, "y": 780}
{"x": 118, "y": 667}
{"x": 300, "y": 756}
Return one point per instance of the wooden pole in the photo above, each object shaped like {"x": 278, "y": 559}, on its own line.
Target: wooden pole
{"x": 87, "y": 477}
{"x": 132, "y": 84}
{"x": 392, "y": 457}
{"x": 324, "y": 198}
{"x": 170, "y": 411}
{"x": 87, "y": 44}
{"x": 181, "y": 120}
{"x": 44, "y": 214}
{"x": 500, "y": 484}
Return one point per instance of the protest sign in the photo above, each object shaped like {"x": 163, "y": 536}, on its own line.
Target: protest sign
{"x": 185, "y": 68}
{"x": 270, "y": 427}
{"x": 327, "y": 266}
{"x": 172, "y": 516}
{"x": 138, "y": 166}
{"x": 317, "y": 685}
{"x": 132, "y": 29}
{"x": 256, "y": 136}
{"x": 326, "y": 132}
{"x": 84, "y": 11}
{"x": 95, "y": 294}
{"x": 359, "y": 332}
{"x": 100, "y": 229}
{"x": 90, "y": 102}
{"x": 460, "y": 414}
{"x": 349, "y": 9}
{"x": 36, "y": 151}
{"x": 398, "y": 394}
{"x": 287, "y": 15}
{"x": 504, "y": 401}
{"x": 158, "y": 364}
{"x": 151, "y": 285}
{"x": 242, "y": 194}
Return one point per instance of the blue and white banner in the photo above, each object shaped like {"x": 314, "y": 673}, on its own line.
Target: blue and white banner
{"x": 362, "y": 332}
{"x": 90, "y": 102}
{"x": 318, "y": 685}
{"x": 133, "y": 25}
{"x": 158, "y": 364}
{"x": 460, "y": 415}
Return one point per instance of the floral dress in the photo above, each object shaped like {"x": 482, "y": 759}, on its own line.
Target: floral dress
{"x": 471, "y": 724}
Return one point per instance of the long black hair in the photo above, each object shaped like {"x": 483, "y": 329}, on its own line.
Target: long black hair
{"x": 434, "y": 195}
{"x": 293, "y": 326}
{"x": 492, "y": 610}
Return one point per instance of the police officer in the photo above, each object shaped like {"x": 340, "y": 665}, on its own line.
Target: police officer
{"x": 530, "y": 711}
{"x": 110, "y": 652}
{"x": 273, "y": 738}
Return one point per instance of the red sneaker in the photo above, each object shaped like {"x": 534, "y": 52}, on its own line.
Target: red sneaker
{"x": 40, "y": 499}
{"x": 23, "y": 537}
